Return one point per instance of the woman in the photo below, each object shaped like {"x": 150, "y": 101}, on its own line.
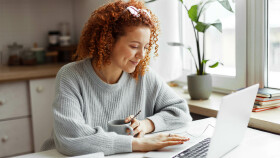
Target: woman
{"x": 110, "y": 81}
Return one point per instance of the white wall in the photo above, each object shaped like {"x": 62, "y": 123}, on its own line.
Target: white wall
{"x": 28, "y": 21}
{"x": 82, "y": 12}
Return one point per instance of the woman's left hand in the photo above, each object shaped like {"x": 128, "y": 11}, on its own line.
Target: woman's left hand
{"x": 140, "y": 128}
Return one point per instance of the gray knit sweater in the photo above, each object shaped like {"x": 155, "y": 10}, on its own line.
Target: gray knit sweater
{"x": 84, "y": 104}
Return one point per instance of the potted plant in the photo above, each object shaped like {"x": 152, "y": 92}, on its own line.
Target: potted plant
{"x": 200, "y": 84}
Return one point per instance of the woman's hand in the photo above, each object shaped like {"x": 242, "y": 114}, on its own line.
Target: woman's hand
{"x": 140, "y": 128}
{"x": 157, "y": 142}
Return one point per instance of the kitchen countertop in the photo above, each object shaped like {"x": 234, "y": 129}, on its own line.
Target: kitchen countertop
{"x": 16, "y": 73}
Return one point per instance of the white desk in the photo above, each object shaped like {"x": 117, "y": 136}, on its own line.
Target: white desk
{"x": 256, "y": 144}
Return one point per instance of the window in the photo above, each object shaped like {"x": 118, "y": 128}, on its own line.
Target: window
{"x": 168, "y": 64}
{"x": 228, "y": 47}
{"x": 221, "y": 46}
{"x": 273, "y": 66}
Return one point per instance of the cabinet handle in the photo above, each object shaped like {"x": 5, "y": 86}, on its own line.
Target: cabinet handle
{"x": 5, "y": 139}
{"x": 39, "y": 89}
{"x": 2, "y": 101}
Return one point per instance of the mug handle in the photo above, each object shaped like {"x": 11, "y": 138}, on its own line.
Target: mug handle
{"x": 131, "y": 129}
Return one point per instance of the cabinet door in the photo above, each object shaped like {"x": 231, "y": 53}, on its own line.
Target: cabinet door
{"x": 14, "y": 100}
{"x": 15, "y": 137}
{"x": 42, "y": 94}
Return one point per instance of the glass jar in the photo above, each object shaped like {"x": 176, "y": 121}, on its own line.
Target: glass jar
{"x": 14, "y": 52}
{"x": 28, "y": 57}
{"x": 54, "y": 38}
{"x": 40, "y": 54}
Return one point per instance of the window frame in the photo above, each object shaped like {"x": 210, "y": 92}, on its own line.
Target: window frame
{"x": 257, "y": 43}
{"x": 228, "y": 83}
{"x": 265, "y": 22}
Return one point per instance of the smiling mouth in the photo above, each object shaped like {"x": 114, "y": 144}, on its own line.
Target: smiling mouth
{"x": 134, "y": 63}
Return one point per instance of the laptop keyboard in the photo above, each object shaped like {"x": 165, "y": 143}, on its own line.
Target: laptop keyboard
{"x": 199, "y": 150}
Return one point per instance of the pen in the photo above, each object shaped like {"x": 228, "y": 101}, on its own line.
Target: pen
{"x": 135, "y": 115}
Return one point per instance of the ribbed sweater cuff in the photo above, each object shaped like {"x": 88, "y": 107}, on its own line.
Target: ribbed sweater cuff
{"x": 158, "y": 122}
{"x": 123, "y": 144}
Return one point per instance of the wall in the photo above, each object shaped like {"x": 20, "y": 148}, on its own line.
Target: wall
{"x": 82, "y": 12}
{"x": 28, "y": 21}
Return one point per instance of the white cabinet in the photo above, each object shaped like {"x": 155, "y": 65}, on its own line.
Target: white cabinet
{"x": 42, "y": 93}
{"x": 15, "y": 122}
{"x": 16, "y": 137}
{"x": 14, "y": 100}
{"x": 26, "y": 118}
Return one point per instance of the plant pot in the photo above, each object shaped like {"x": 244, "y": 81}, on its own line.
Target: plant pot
{"x": 199, "y": 86}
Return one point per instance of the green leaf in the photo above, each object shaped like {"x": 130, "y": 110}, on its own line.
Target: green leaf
{"x": 181, "y": 1}
{"x": 218, "y": 25}
{"x": 215, "y": 65}
{"x": 226, "y": 5}
{"x": 193, "y": 13}
{"x": 202, "y": 27}
{"x": 150, "y": 1}
{"x": 203, "y": 6}
{"x": 204, "y": 61}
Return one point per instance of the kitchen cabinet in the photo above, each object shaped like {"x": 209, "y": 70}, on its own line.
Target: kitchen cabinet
{"x": 26, "y": 96}
{"x": 25, "y": 115}
{"x": 15, "y": 119}
{"x": 42, "y": 93}
{"x": 16, "y": 137}
{"x": 14, "y": 100}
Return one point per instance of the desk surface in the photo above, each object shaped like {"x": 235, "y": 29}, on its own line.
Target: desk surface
{"x": 266, "y": 120}
{"x": 256, "y": 144}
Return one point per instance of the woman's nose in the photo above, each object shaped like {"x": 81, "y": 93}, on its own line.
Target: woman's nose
{"x": 141, "y": 54}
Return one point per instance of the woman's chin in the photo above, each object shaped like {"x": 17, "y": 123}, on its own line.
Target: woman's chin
{"x": 131, "y": 70}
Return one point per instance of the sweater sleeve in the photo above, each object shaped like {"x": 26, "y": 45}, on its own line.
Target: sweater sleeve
{"x": 72, "y": 135}
{"x": 170, "y": 110}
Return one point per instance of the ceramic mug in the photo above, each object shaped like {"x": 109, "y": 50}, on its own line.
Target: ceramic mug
{"x": 119, "y": 126}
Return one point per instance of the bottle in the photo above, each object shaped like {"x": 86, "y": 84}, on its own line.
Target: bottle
{"x": 64, "y": 29}
{"x": 65, "y": 38}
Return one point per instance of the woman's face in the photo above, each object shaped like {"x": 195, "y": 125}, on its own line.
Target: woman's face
{"x": 130, "y": 48}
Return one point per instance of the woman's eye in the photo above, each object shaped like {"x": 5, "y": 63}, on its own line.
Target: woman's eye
{"x": 134, "y": 47}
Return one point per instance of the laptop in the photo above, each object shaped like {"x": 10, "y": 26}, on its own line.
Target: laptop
{"x": 231, "y": 124}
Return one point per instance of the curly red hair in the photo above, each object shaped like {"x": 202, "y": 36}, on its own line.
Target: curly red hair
{"x": 107, "y": 24}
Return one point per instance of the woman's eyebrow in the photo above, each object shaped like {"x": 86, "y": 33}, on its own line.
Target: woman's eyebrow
{"x": 136, "y": 42}
{"x": 139, "y": 42}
